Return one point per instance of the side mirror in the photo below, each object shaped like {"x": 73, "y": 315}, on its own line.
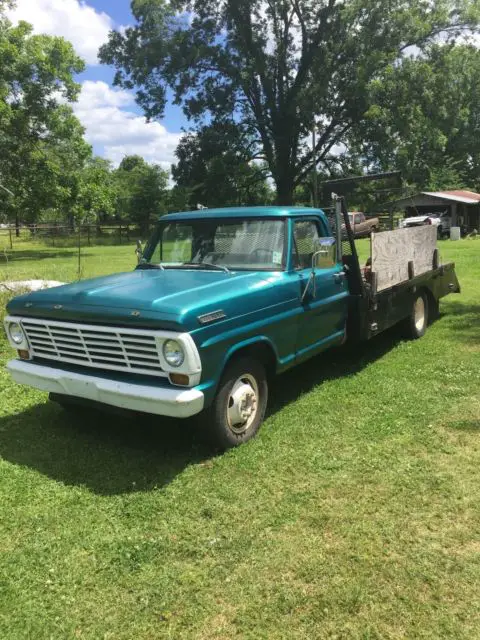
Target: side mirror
{"x": 325, "y": 255}
{"x": 139, "y": 251}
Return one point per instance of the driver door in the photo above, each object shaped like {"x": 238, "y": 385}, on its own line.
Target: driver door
{"x": 324, "y": 306}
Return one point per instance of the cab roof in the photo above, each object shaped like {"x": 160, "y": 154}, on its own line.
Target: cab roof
{"x": 242, "y": 212}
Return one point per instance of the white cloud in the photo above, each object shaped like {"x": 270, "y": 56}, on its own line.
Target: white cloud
{"x": 117, "y": 132}
{"x": 75, "y": 20}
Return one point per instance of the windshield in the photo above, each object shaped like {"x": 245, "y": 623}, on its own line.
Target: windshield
{"x": 240, "y": 244}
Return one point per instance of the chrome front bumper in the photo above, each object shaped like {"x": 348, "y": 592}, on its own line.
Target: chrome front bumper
{"x": 174, "y": 402}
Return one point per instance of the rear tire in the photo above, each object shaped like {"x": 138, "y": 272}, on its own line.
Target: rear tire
{"x": 238, "y": 409}
{"x": 417, "y": 322}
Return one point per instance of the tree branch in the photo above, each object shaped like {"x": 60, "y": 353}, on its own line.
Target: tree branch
{"x": 307, "y": 161}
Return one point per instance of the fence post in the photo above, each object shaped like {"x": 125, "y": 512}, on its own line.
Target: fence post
{"x": 88, "y": 234}
{"x": 10, "y": 234}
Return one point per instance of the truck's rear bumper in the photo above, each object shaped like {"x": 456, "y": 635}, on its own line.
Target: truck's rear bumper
{"x": 174, "y": 402}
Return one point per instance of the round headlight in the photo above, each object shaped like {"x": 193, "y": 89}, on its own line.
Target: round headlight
{"x": 173, "y": 353}
{"x": 16, "y": 333}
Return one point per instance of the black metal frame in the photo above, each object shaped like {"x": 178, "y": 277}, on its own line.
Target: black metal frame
{"x": 369, "y": 312}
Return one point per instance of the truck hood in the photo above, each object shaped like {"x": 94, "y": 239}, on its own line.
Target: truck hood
{"x": 172, "y": 298}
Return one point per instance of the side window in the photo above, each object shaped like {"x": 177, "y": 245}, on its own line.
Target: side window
{"x": 306, "y": 237}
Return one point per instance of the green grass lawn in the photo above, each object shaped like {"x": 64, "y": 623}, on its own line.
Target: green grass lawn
{"x": 354, "y": 514}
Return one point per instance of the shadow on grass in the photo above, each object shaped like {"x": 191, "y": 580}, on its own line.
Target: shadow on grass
{"x": 107, "y": 453}
{"x": 115, "y": 454}
{"x": 464, "y": 321}
{"x": 41, "y": 254}
{"x": 465, "y": 425}
{"x": 330, "y": 365}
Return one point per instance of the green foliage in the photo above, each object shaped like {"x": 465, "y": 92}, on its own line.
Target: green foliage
{"x": 274, "y": 67}
{"x": 97, "y": 192}
{"x": 450, "y": 175}
{"x": 41, "y": 142}
{"x": 44, "y": 158}
{"x": 141, "y": 191}
{"x": 216, "y": 165}
{"x": 179, "y": 199}
{"x": 424, "y": 119}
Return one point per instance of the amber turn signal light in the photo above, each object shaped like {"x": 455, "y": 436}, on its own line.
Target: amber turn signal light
{"x": 23, "y": 354}
{"x": 179, "y": 378}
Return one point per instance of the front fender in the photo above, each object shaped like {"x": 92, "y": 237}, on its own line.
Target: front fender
{"x": 244, "y": 344}
{"x": 214, "y": 362}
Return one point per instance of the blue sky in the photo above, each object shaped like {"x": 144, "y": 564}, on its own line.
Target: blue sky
{"x": 114, "y": 124}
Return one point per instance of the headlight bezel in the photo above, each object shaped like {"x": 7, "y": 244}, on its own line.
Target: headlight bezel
{"x": 21, "y": 333}
{"x": 23, "y": 343}
{"x": 176, "y": 347}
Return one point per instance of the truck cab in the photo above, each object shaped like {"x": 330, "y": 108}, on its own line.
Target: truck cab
{"x": 219, "y": 303}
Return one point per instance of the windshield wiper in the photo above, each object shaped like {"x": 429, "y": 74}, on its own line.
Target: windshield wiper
{"x": 150, "y": 265}
{"x": 208, "y": 265}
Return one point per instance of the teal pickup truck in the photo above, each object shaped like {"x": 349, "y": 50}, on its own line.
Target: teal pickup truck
{"x": 220, "y": 302}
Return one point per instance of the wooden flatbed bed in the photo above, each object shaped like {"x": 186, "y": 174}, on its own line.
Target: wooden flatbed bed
{"x": 403, "y": 266}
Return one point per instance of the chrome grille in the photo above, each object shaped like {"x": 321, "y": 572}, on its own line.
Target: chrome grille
{"x": 132, "y": 350}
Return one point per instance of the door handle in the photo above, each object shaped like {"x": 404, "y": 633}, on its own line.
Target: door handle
{"x": 338, "y": 277}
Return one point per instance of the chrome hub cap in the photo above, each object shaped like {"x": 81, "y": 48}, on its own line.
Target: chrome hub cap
{"x": 242, "y": 404}
{"x": 419, "y": 313}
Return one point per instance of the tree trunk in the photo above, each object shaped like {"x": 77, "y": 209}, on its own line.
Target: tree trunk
{"x": 17, "y": 226}
{"x": 285, "y": 189}
{"x": 284, "y": 170}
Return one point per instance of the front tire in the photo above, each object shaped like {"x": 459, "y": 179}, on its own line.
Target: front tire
{"x": 238, "y": 409}
{"x": 417, "y": 322}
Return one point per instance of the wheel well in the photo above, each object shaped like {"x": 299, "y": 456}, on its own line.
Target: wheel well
{"x": 260, "y": 351}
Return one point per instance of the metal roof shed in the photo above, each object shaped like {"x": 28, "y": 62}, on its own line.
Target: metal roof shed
{"x": 463, "y": 206}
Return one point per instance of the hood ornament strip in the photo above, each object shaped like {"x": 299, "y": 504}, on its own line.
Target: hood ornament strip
{"x": 213, "y": 316}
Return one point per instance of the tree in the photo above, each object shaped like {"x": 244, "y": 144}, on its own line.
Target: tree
{"x": 41, "y": 142}
{"x": 97, "y": 193}
{"x": 274, "y": 66}
{"x": 214, "y": 164}
{"x": 424, "y": 119}
{"x": 142, "y": 191}
{"x": 53, "y": 169}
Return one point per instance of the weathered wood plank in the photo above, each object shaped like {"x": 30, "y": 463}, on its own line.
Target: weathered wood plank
{"x": 393, "y": 250}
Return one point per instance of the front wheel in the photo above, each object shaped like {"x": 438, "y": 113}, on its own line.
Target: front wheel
{"x": 239, "y": 406}
{"x": 417, "y": 322}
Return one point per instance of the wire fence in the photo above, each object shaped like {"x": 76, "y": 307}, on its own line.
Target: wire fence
{"x": 62, "y": 235}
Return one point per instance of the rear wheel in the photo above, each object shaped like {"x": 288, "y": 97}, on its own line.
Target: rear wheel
{"x": 417, "y": 322}
{"x": 239, "y": 406}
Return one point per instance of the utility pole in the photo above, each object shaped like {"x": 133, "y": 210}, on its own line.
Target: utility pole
{"x": 314, "y": 151}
